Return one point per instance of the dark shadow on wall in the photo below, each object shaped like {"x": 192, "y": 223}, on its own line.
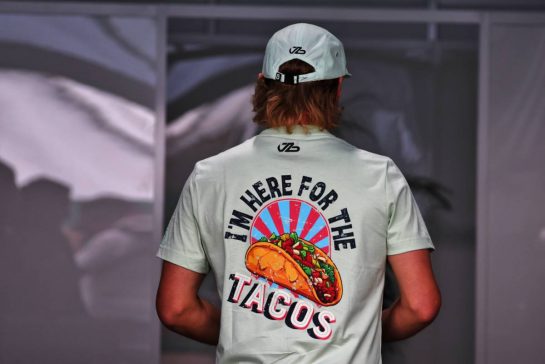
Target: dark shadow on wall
{"x": 52, "y": 275}
{"x": 39, "y": 284}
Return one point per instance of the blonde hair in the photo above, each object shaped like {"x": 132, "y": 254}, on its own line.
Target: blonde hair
{"x": 277, "y": 104}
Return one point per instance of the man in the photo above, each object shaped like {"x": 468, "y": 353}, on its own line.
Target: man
{"x": 297, "y": 226}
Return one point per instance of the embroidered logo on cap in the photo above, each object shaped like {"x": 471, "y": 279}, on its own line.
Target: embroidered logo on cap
{"x": 297, "y": 50}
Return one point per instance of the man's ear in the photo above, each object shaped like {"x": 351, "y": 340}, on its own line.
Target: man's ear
{"x": 260, "y": 75}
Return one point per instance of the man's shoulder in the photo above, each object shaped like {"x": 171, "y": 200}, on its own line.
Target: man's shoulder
{"x": 218, "y": 162}
{"x": 360, "y": 153}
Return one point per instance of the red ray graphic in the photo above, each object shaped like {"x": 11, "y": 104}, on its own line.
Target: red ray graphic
{"x": 274, "y": 210}
{"x": 320, "y": 235}
{"x": 311, "y": 219}
{"x": 295, "y": 206}
{"x": 260, "y": 225}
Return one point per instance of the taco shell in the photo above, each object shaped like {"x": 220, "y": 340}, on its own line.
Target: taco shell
{"x": 276, "y": 265}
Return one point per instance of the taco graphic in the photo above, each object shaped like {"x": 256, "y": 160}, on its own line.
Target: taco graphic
{"x": 298, "y": 265}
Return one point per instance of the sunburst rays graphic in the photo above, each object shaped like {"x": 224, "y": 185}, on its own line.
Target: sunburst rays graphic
{"x": 288, "y": 215}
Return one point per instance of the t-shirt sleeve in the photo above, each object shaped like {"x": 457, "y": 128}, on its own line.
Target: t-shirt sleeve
{"x": 406, "y": 228}
{"x": 182, "y": 244}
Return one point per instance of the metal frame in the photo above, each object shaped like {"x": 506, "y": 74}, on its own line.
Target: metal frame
{"x": 516, "y": 17}
{"x": 160, "y": 155}
{"x": 346, "y": 14}
{"x": 65, "y": 8}
{"x": 161, "y": 13}
{"x": 245, "y": 12}
{"x": 481, "y": 203}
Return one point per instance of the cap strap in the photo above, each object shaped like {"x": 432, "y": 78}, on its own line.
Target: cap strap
{"x": 287, "y": 78}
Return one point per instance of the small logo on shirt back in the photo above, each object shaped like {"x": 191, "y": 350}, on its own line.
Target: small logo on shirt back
{"x": 288, "y": 147}
{"x": 297, "y": 50}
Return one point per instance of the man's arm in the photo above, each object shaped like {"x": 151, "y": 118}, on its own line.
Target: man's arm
{"x": 180, "y": 308}
{"x": 419, "y": 300}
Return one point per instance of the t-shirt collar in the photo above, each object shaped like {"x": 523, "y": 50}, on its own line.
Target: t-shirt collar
{"x": 297, "y": 131}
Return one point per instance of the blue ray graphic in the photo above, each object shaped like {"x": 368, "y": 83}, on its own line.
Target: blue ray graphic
{"x": 303, "y": 214}
{"x": 265, "y": 281}
{"x": 284, "y": 207}
{"x": 256, "y": 233}
{"x": 318, "y": 225}
{"x": 267, "y": 219}
{"x": 323, "y": 243}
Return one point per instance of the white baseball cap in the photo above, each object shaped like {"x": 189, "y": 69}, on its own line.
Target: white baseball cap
{"x": 309, "y": 43}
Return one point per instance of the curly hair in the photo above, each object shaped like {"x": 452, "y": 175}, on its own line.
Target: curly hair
{"x": 277, "y": 104}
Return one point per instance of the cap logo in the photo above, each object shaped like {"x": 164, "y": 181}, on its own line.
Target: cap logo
{"x": 297, "y": 50}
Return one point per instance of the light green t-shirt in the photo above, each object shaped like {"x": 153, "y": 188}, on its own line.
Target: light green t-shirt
{"x": 296, "y": 229}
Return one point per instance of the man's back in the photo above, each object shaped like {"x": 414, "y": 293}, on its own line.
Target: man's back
{"x": 296, "y": 228}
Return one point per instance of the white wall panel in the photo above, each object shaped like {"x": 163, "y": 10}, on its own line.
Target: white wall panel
{"x": 511, "y": 238}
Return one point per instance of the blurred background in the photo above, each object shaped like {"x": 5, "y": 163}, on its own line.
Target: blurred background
{"x": 106, "y": 106}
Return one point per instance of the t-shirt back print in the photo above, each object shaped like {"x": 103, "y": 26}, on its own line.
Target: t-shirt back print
{"x": 291, "y": 233}
{"x": 297, "y": 243}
